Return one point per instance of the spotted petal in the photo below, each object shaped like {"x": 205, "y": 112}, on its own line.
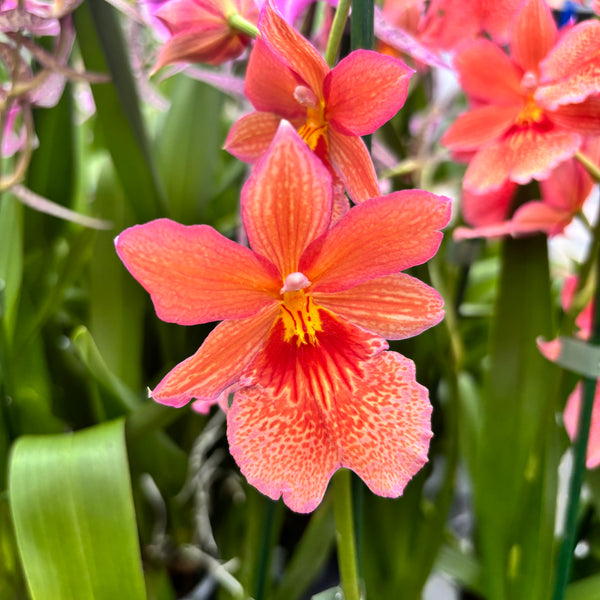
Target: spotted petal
{"x": 194, "y": 274}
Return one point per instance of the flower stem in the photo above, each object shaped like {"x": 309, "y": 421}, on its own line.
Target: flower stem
{"x": 346, "y": 542}
{"x": 589, "y": 165}
{"x": 565, "y": 557}
{"x": 236, "y": 21}
{"x": 337, "y": 29}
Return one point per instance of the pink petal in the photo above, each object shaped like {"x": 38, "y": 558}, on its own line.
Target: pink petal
{"x": 251, "y": 135}
{"x": 384, "y": 426}
{"x": 270, "y": 83}
{"x": 352, "y": 162}
{"x": 293, "y": 49}
{"x": 491, "y": 207}
{"x": 533, "y": 35}
{"x": 540, "y": 216}
{"x": 487, "y": 73}
{"x": 286, "y": 202}
{"x": 395, "y": 307}
{"x": 571, "y": 418}
{"x": 480, "y": 126}
{"x": 584, "y": 117}
{"x": 572, "y": 67}
{"x": 183, "y": 15}
{"x": 497, "y": 18}
{"x": 194, "y": 274}
{"x": 218, "y": 363}
{"x": 380, "y": 237}
{"x": 364, "y": 91}
{"x": 523, "y": 155}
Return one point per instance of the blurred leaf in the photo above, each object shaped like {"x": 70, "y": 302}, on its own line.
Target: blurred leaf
{"x": 310, "y": 555}
{"x": 517, "y": 458}
{"x": 117, "y": 106}
{"x": 579, "y": 356}
{"x": 460, "y": 566}
{"x": 72, "y": 507}
{"x": 584, "y": 589}
{"x": 330, "y": 594}
{"x": 12, "y": 585}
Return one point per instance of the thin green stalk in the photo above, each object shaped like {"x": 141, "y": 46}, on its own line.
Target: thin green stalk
{"x": 266, "y": 544}
{"x": 565, "y": 557}
{"x": 236, "y": 21}
{"x": 346, "y": 540}
{"x": 589, "y": 165}
{"x": 337, "y": 29}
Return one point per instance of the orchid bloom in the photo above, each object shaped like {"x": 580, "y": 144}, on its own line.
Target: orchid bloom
{"x": 331, "y": 108}
{"x": 305, "y": 313}
{"x": 201, "y": 32}
{"x": 528, "y": 114}
{"x": 563, "y": 195}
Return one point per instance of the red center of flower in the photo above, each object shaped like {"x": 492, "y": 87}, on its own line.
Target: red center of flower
{"x": 530, "y": 113}
{"x": 299, "y": 313}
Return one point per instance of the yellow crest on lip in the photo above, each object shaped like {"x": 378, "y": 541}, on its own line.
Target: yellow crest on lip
{"x": 300, "y": 317}
{"x": 314, "y": 128}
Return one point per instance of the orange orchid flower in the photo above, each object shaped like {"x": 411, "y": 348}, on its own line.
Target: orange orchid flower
{"x": 531, "y": 109}
{"x": 331, "y": 108}
{"x": 201, "y": 32}
{"x": 305, "y": 313}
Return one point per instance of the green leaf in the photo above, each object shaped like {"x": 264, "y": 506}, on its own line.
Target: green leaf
{"x": 117, "y": 106}
{"x": 72, "y": 507}
{"x": 334, "y": 593}
{"x": 579, "y": 356}
{"x": 584, "y": 589}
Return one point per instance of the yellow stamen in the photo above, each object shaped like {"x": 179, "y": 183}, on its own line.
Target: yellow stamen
{"x": 314, "y": 127}
{"x": 530, "y": 113}
{"x": 300, "y": 317}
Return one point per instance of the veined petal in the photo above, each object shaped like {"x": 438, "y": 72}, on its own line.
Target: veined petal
{"x": 251, "y": 135}
{"x": 270, "y": 83}
{"x": 395, "y": 307}
{"x": 521, "y": 156}
{"x": 286, "y": 202}
{"x": 479, "y": 126}
{"x": 194, "y": 274}
{"x": 487, "y": 73}
{"x": 572, "y": 67}
{"x": 384, "y": 426}
{"x": 533, "y": 35}
{"x": 380, "y": 237}
{"x": 294, "y": 49}
{"x": 584, "y": 117}
{"x": 364, "y": 91}
{"x": 352, "y": 162}
{"x": 281, "y": 446}
{"x": 218, "y": 363}
{"x": 490, "y": 207}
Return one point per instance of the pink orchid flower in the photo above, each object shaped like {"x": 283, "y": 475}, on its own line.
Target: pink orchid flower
{"x": 200, "y": 31}
{"x": 563, "y": 195}
{"x": 287, "y": 78}
{"x": 305, "y": 313}
{"x": 525, "y": 121}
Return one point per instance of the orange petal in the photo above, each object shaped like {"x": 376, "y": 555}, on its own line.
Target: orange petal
{"x": 352, "y": 162}
{"x": 194, "y": 274}
{"x": 583, "y": 117}
{"x": 395, "y": 307}
{"x": 539, "y": 216}
{"x": 293, "y": 49}
{"x": 286, "y": 202}
{"x": 218, "y": 363}
{"x": 379, "y": 237}
{"x": 533, "y": 35}
{"x": 364, "y": 91}
{"x": 487, "y": 73}
{"x": 488, "y": 208}
{"x": 270, "y": 83}
{"x": 384, "y": 426}
{"x": 250, "y": 136}
{"x": 480, "y": 126}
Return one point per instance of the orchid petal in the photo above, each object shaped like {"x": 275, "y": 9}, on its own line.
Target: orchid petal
{"x": 380, "y": 237}
{"x": 584, "y": 117}
{"x": 395, "y": 307}
{"x": 194, "y": 274}
{"x": 286, "y": 202}
{"x": 270, "y": 83}
{"x": 352, "y": 162}
{"x": 364, "y": 91}
{"x": 490, "y": 207}
{"x": 384, "y": 427}
{"x": 521, "y": 156}
{"x": 571, "y": 419}
{"x": 540, "y": 216}
{"x": 479, "y": 126}
{"x": 250, "y": 136}
{"x": 293, "y": 48}
{"x": 488, "y": 74}
{"x": 218, "y": 363}
{"x": 533, "y": 35}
